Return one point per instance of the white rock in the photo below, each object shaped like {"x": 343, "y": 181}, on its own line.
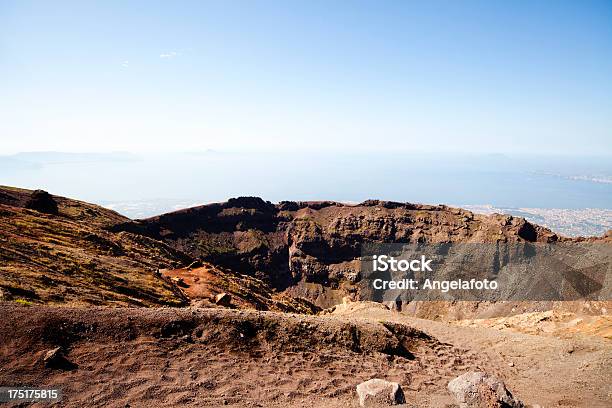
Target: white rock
{"x": 480, "y": 390}
{"x": 380, "y": 391}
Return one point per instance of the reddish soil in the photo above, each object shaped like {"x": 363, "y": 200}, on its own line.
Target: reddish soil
{"x": 222, "y": 357}
{"x": 219, "y": 357}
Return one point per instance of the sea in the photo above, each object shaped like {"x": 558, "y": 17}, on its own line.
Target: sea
{"x": 140, "y": 185}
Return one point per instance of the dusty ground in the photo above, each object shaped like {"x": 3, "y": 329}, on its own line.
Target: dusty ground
{"x": 219, "y": 357}
{"x": 550, "y": 359}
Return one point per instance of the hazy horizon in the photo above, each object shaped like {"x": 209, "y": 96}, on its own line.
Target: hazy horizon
{"x": 549, "y": 181}
{"x": 571, "y": 195}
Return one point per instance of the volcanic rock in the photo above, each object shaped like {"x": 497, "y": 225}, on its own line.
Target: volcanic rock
{"x": 43, "y": 202}
{"x": 318, "y": 243}
{"x": 179, "y": 281}
{"x": 195, "y": 264}
{"x": 223, "y": 299}
{"x": 55, "y": 359}
{"x": 481, "y": 390}
{"x": 377, "y": 391}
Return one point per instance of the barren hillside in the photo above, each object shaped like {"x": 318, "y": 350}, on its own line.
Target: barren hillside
{"x": 72, "y": 258}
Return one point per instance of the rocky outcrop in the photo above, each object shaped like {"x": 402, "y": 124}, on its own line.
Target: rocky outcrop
{"x": 43, "y": 202}
{"x": 481, "y": 390}
{"x": 318, "y": 243}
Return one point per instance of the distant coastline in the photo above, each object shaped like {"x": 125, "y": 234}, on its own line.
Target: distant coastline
{"x": 570, "y": 222}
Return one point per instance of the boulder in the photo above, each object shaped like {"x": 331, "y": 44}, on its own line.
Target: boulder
{"x": 223, "y": 299}
{"x": 195, "y": 264}
{"x": 377, "y": 391}
{"x": 179, "y": 281}
{"x": 55, "y": 359}
{"x": 43, "y": 202}
{"x": 481, "y": 390}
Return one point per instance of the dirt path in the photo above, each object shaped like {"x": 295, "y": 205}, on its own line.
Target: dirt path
{"x": 573, "y": 370}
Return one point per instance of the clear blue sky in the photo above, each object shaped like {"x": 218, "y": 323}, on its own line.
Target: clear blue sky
{"x": 490, "y": 76}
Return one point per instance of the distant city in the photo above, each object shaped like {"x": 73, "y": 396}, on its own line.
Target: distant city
{"x": 565, "y": 221}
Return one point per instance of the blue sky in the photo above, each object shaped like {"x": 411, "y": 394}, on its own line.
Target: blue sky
{"x": 469, "y": 76}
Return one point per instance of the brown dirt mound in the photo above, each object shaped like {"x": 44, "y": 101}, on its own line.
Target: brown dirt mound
{"x": 217, "y": 357}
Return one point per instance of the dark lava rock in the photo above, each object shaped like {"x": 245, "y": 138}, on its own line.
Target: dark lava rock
{"x": 43, "y": 202}
{"x": 55, "y": 359}
{"x": 288, "y": 206}
{"x": 250, "y": 202}
{"x": 223, "y": 299}
{"x": 528, "y": 232}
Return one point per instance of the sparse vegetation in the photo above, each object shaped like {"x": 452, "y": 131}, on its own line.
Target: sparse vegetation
{"x": 79, "y": 271}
